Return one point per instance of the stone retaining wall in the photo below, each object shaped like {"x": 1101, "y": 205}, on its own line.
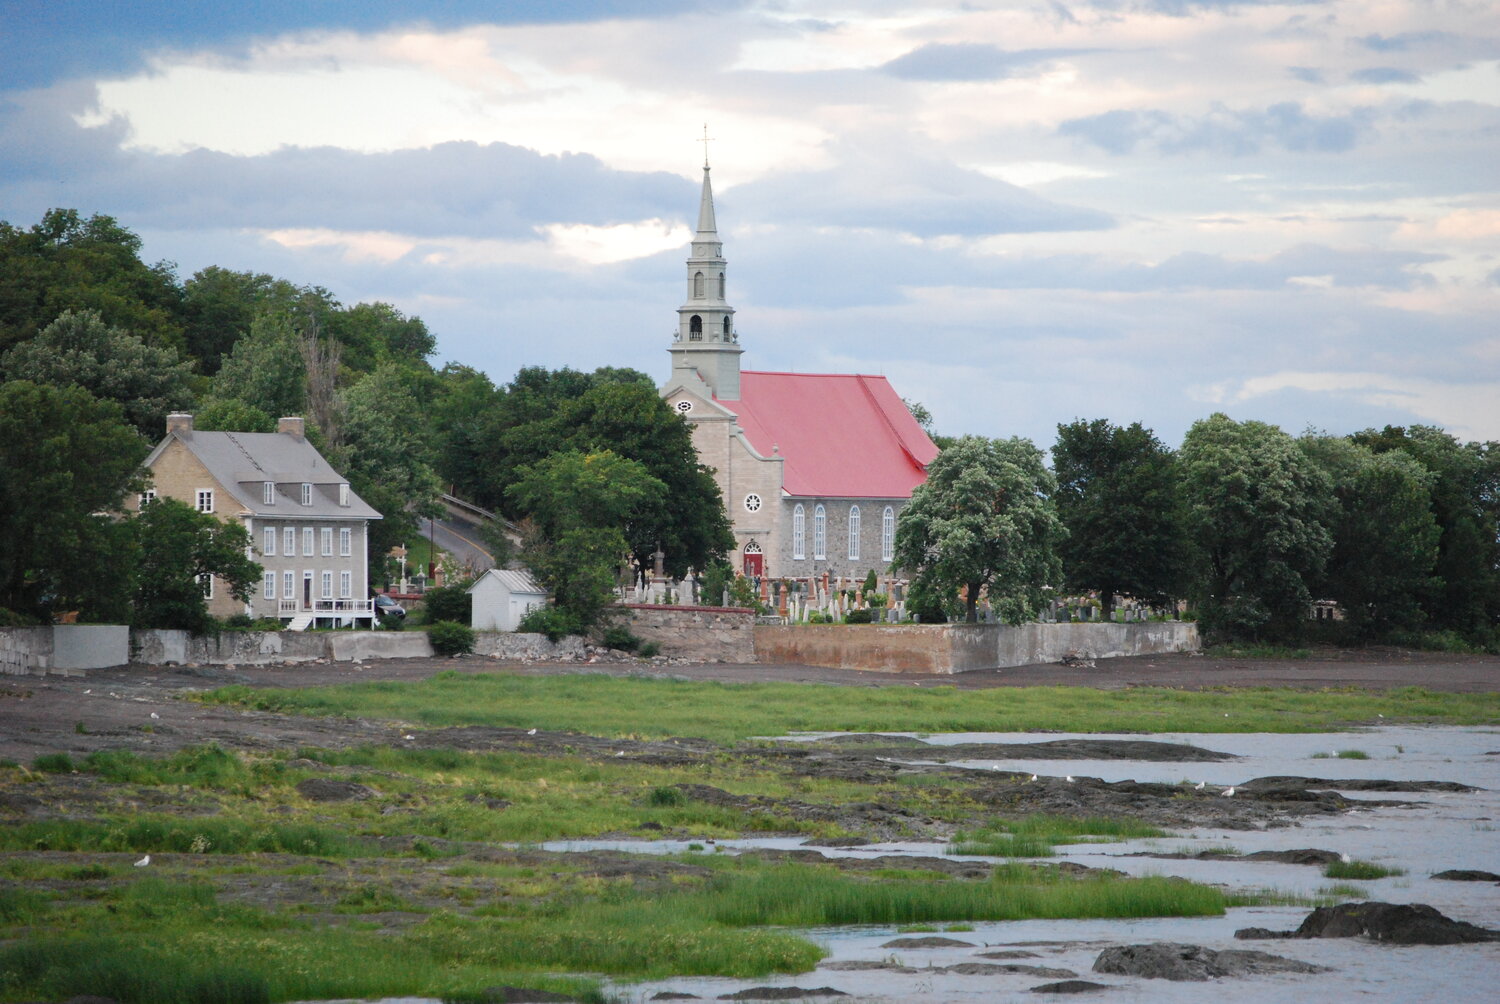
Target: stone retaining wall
{"x": 25, "y": 651}
{"x": 698, "y": 634}
{"x": 958, "y": 648}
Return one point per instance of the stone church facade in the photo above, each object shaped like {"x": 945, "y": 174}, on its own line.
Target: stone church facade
{"x": 814, "y": 468}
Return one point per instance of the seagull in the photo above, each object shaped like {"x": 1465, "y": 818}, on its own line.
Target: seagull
{"x": 155, "y": 715}
{"x": 1069, "y": 778}
{"x": 408, "y": 736}
{"x": 531, "y": 732}
{"x": 1227, "y": 792}
{"x": 1345, "y": 858}
{"x": 1033, "y": 777}
{"x": 619, "y": 752}
{"x": 1199, "y": 786}
{"x": 143, "y": 862}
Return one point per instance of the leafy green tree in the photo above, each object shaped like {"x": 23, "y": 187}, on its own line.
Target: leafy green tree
{"x": 178, "y": 546}
{"x": 386, "y": 456}
{"x": 67, "y": 461}
{"x": 983, "y": 521}
{"x": 1385, "y": 539}
{"x": 220, "y": 305}
{"x": 462, "y": 415}
{"x": 66, "y": 262}
{"x": 80, "y": 350}
{"x": 1465, "y": 589}
{"x": 580, "y": 567}
{"x": 265, "y": 370}
{"x": 1117, "y": 498}
{"x": 232, "y": 415}
{"x": 1259, "y": 513}
{"x": 373, "y": 333}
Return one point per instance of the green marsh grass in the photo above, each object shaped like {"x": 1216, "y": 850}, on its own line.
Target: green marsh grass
{"x": 657, "y": 708}
{"x": 1360, "y": 870}
{"x": 1034, "y": 836}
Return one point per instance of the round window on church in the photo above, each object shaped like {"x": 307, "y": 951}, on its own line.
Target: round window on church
{"x": 752, "y": 502}
{"x": 683, "y": 407}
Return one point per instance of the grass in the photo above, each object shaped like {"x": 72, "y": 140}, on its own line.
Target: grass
{"x": 1035, "y": 836}
{"x": 726, "y": 713}
{"x": 1342, "y": 755}
{"x": 1359, "y": 870}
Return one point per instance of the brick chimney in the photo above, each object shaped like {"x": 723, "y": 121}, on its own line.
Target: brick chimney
{"x": 291, "y": 425}
{"x": 180, "y": 422}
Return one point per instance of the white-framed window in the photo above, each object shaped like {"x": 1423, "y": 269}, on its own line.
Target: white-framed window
{"x": 346, "y": 541}
{"x": 888, "y": 534}
{"x": 327, "y": 585}
{"x": 307, "y": 584}
{"x": 799, "y": 532}
{"x": 820, "y": 533}
{"x": 343, "y": 495}
{"x": 327, "y": 539}
{"x": 307, "y": 542}
{"x": 268, "y": 493}
{"x": 752, "y": 502}
{"x": 205, "y": 500}
{"x": 269, "y": 547}
{"x": 269, "y": 588}
{"x": 306, "y": 493}
{"x": 147, "y": 497}
{"x": 346, "y": 585}
{"x": 289, "y": 541}
{"x": 854, "y": 533}
{"x": 289, "y": 585}
{"x": 206, "y": 583}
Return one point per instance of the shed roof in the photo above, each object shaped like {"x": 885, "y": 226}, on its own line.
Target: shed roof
{"x": 515, "y": 580}
{"x": 841, "y": 435}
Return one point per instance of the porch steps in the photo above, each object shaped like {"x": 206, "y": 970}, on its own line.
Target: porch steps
{"x": 300, "y": 623}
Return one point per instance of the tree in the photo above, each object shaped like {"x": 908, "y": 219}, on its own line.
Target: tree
{"x": 1385, "y": 539}
{"x": 1117, "y": 498}
{"x": 265, "y": 370}
{"x": 1464, "y": 595}
{"x": 1258, "y": 514}
{"x": 232, "y": 415}
{"x": 373, "y": 333}
{"x": 584, "y": 507}
{"x": 178, "y": 548}
{"x": 983, "y": 521}
{"x": 79, "y": 349}
{"x": 66, "y": 462}
{"x": 220, "y": 306}
{"x": 386, "y": 456}
{"x": 66, "y": 262}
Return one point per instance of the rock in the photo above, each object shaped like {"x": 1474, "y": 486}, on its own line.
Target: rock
{"x": 1166, "y": 961}
{"x": 1008, "y": 954}
{"x": 837, "y": 842}
{"x": 780, "y": 994}
{"x": 1351, "y": 784}
{"x": 327, "y": 789}
{"x": 1300, "y": 856}
{"x": 1467, "y": 875}
{"x": 1396, "y": 923}
{"x": 860, "y": 966}
{"x": 928, "y": 942}
{"x": 1000, "y": 969}
{"x": 673, "y": 995}
{"x": 1069, "y": 987}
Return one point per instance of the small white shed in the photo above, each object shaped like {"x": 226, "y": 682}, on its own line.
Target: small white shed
{"x": 502, "y": 596}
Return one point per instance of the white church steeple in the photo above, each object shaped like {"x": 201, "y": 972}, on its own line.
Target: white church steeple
{"x": 706, "y": 341}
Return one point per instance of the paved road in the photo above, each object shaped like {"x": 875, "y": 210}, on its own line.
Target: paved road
{"x": 461, "y": 539}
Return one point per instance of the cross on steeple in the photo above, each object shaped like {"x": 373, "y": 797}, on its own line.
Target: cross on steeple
{"x": 705, "y": 141}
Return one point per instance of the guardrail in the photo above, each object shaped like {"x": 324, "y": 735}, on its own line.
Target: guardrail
{"x": 454, "y": 502}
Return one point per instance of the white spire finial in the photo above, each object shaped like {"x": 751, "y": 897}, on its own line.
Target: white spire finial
{"x": 705, "y": 141}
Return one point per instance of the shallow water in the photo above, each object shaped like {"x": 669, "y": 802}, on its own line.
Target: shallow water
{"x": 1435, "y": 831}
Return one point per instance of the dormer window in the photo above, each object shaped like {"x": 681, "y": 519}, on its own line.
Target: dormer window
{"x": 268, "y": 493}
{"x": 306, "y": 493}
{"x": 343, "y": 495}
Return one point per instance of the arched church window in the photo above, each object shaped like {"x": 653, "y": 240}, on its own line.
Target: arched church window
{"x": 698, "y": 285}
{"x": 799, "y": 532}
{"x": 888, "y": 534}
{"x": 721, "y": 285}
{"x": 726, "y": 329}
{"x": 695, "y": 329}
{"x": 820, "y": 534}
{"x": 854, "y": 533}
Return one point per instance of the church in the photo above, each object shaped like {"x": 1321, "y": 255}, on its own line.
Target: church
{"x": 814, "y": 468}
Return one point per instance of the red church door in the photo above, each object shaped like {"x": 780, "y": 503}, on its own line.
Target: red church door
{"x": 755, "y": 561}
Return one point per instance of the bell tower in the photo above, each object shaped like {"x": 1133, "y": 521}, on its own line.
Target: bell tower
{"x": 706, "y": 341}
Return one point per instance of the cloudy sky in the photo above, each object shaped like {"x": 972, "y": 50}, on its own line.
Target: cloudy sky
{"x": 1021, "y": 211}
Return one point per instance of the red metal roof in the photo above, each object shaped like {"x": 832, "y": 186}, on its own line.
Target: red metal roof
{"x": 843, "y": 435}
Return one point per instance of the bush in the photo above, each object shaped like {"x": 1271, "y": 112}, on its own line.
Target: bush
{"x": 619, "y": 637}
{"x": 54, "y": 763}
{"x": 859, "y": 617}
{"x": 871, "y": 583}
{"x": 449, "y": 638}
{"x": 648, "y": 649}
{"x": 550, "y": 621}
{"x": 448, "y": 603}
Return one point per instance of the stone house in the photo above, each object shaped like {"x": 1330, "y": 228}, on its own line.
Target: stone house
{"x": 814, "y": 468}
{"x": 307, "y": 528}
